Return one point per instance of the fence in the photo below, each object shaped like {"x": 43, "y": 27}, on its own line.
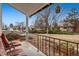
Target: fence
{"x": 55, "y": 47}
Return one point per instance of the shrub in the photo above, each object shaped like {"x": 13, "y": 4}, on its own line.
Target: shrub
{"x": 37, "y": 31}
{"x": 54, "y": 31}
{"x": 58, "y": 31}
{"x": 41, "y": 31}
{"x": 10, "y": 37}
{"x": 32, "y": 31}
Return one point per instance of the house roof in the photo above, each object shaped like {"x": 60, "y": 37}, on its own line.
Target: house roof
{"x": 29, "y": 8}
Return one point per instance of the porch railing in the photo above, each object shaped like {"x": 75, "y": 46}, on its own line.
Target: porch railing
{"x": 56, "y": 47}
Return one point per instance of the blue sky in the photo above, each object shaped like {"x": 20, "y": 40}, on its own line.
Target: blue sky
{"x": 11, "y": 15}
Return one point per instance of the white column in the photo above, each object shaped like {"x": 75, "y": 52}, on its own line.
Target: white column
{"x": 27, "y": 27}
{"x": 2, "y": 50}
{"x": 0, "y": 17}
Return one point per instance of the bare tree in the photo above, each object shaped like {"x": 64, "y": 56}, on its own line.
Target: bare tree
{"x": 72, "y": 19}
{"x": 39, "y": 23}
{"x": 4, "y": 26}
{"x": 44, "y": 20}
{"x": 45, "y": 15}
{"x": 54, "y": 21}
{"x": 55, "y": 17}
{"x": 20, "y": 24}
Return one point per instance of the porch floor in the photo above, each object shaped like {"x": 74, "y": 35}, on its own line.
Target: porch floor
{"x": 30, "y": 50}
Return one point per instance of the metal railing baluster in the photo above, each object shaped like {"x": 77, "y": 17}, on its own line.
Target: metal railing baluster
{"x": 59, "y": 47}
{"x": 67, "y": 48}
{"x": 54, "y": 47}
{"x": 49, "y": 46}
{"x": 77, "y": 49}
{"x": 46, "y": 45}
{"x": 41, "y": 44}
{"x": 38, "y": 43}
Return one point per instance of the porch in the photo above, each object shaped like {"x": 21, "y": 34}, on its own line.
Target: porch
{"x": 28, "y": 10}
{"x": 42, "y": 44}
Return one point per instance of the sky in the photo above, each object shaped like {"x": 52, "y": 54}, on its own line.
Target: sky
{"x": 65, "y": 9}
{"x": 11, "y": 15}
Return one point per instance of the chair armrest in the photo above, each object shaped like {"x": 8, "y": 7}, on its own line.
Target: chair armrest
{"x": 14, "y": 44}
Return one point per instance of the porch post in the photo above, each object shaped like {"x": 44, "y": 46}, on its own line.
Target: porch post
{"x": 0, "y": 17}
{"x": 2, "y": 50}
{"x": 26, "y": 27}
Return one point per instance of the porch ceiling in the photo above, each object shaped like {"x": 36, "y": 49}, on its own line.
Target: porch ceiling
{"x": 29, "y": 8}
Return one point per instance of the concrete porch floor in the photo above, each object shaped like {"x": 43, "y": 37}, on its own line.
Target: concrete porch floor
{"x": 29, "y": 50}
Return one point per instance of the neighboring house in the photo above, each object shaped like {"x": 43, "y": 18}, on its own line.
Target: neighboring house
{"x": 65, "y": 26}
{"x": 77, "y": 29}
{"x": 71, "y": 27}
{"x": 61, "y": 27}
{"x": 68, "y": 26}
{"x": 31, "y": 27}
